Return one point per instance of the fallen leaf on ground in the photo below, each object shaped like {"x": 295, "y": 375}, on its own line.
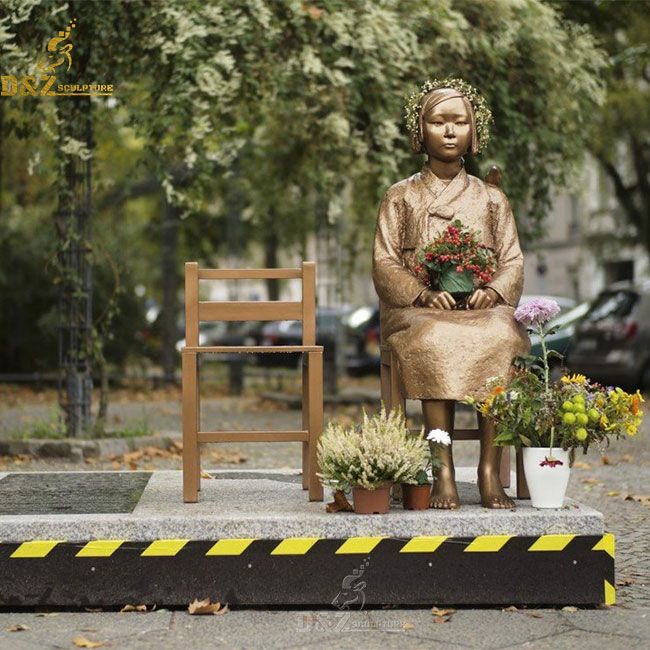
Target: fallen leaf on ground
{"x": 442, "y": 612}
{"x": 134, "y": 608}
{"x": 534, "y": 614}
{"x": 613, "y": 493}
{"x": 441, "y": 619}
{"x": 627, "y": 458}
{"x": 17, "y": 627}
{"x": 569, "y": 608}
{"x": 580, "y": 464}
{"x": 206, "y": 607}
{"x": 591, "y": 481}
{"x": 626, "y": 582}
{"x": 83, "y": 642}
{"x": 512, "y": 608}
{"x": 639, "y": 498}
{"x": 205, "y": 474}
{"x": 605, "y": 460}
{"x": 407, "y": 626}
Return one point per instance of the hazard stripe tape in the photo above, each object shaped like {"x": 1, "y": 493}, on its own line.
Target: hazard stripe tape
{"x": 303, "y": 545}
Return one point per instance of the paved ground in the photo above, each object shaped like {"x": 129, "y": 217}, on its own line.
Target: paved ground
{"x": 618, "y": 487}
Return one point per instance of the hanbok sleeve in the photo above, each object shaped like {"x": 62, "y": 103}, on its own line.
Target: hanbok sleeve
{"x": 395, "y": 284}
{"x": 508, "y": 280}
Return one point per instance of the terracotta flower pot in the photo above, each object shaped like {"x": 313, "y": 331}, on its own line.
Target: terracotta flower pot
{"x": 416, "y": 497}
{"x": 371, "y": 502}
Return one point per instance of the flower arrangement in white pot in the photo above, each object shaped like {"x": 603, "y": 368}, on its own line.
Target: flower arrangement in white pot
{"x": 549, "y": 419}
{"x": 369, "y": 457}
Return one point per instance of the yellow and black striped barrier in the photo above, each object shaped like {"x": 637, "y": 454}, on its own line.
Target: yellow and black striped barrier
{"x": 360, "y": 571}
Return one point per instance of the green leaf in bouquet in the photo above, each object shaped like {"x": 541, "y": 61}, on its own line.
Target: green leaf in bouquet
{"x": 456, "y": 282}
{"x": 526, "y": 440}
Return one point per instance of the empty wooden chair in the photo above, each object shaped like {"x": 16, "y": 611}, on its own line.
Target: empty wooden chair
{"x": 312, "y": 369}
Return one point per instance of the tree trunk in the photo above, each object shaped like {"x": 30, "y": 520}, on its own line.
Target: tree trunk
{"x": 169, "y": 279}
{"x": 271, "y": 244}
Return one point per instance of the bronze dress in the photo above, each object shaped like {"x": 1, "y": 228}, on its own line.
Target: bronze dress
{"x": 445, "y": 353}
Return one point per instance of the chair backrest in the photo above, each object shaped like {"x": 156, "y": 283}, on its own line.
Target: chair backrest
{"x": 197, "y": 311}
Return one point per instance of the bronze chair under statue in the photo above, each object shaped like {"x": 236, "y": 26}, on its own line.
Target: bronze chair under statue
{"x": 445, "y": 353}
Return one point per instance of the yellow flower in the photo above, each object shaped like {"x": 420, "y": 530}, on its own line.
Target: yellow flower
{"x": 576, "y": 378}
{"x": 631, "y": 429}
{"x": 603, "y": 420}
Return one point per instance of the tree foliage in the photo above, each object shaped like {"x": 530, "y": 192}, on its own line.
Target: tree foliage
{"x": 287, "y": 114}
{"x": 620, "y": 134}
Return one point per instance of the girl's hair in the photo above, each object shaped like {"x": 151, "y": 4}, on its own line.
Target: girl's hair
{"x": 434, "y": 98}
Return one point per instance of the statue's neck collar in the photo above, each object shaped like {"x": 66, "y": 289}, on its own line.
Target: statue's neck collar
{"x": 443, "y": 192}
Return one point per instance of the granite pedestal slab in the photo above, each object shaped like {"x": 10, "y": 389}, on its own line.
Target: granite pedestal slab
{"x": 104, "y": 539}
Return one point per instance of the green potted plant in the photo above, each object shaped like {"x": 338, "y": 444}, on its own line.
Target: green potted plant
{"x": 368, "y": 458}
{"x": 549, "y": 419}
{"x": 416, "y": 489}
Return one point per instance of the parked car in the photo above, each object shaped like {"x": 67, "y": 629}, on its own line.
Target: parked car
{"x": 328, "y": 322}
{"x": 612, "y": 343}
{"x": 362, "y": 341}
{"x": 566, "y": 322}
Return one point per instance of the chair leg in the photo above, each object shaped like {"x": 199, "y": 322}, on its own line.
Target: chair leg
{"x": 315, "y": 415}
{"x": 385, "y": 382}
{"x": 198, "y": 422}
{"x": 522, "y": 485}
{"x": 190, "y": 428}
{"x": 305, "y": 423}
{"x": 396, "y": 399}
{"x": 504, "y": 468}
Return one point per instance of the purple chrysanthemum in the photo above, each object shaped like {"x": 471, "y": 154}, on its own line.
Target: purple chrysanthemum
{"x": 537, "y": 311}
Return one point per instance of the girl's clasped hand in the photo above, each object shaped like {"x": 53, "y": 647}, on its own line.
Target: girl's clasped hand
{"x": 480, "y": 299}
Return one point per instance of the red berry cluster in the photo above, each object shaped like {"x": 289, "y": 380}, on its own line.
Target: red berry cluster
{"x": 457, "y": 246}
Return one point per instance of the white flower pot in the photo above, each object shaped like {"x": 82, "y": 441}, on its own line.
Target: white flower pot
{"x": 547, "y": 483}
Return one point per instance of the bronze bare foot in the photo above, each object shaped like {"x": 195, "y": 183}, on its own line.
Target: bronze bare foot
{"x": 492, "y": 492}
{"x": 444, "y": 495}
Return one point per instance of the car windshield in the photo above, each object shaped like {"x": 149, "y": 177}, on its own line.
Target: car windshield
{"x": 608, "y": 304}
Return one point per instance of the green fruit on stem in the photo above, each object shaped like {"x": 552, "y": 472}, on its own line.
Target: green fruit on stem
{"x": 578, "y": 407}
{"x": 567, "y": 406}
{"x": 569, "y": 418}
{"x": 593, "y": 414}
{"x": 581, "y": 434}
{"x": 581, "y": 418}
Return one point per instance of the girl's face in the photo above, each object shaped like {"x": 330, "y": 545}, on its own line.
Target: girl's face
{"x": 446, "y": 130}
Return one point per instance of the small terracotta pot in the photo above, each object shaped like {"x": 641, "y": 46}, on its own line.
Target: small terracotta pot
{"x": 416, "y": 497}
{"x": 371, "y": 502}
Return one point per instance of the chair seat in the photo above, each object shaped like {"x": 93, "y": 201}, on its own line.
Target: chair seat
{"x": 253, "y": 348}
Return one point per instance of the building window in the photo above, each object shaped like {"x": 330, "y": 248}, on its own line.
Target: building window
{"x": 618, "y": 271}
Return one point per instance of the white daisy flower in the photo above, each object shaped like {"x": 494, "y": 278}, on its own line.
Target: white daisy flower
{"x": 440, "y": 436}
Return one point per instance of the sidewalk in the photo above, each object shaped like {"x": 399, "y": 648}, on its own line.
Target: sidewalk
{"x": 617, "y": 487}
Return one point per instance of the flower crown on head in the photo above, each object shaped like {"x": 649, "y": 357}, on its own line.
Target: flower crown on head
{"x": 482, "y": 113}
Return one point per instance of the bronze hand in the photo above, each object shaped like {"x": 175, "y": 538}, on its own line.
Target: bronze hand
{"x": 483, "y": 299}
{"x": 436, "y": 299}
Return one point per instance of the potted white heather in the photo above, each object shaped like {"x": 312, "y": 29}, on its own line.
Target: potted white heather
{"x": 369, "y": 457}
{"x": 548, "y": 419}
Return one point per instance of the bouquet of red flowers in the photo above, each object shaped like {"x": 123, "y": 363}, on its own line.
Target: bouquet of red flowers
{"x": 454, "y": 259}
